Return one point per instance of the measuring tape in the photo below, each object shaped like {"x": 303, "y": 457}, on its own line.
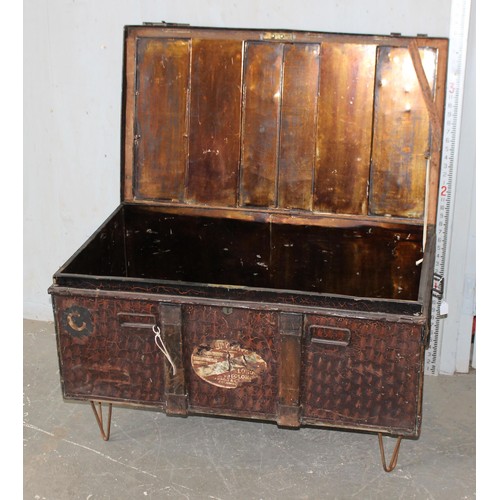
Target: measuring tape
{"x": 459, "y": 29}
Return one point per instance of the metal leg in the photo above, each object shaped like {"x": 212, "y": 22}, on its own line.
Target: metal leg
{"x": 395, "y": 453}
{"x": 98, "y": 417}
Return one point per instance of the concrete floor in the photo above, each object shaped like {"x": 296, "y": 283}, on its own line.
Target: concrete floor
{"x": 153, "y": 456}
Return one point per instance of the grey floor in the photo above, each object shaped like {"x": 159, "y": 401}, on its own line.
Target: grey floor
{"x": 151, "y": 456}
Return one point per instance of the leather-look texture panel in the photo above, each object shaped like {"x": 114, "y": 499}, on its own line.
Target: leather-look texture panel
{"x": 372, "y": 382}
{"x": 113, "y": 360}
{"x": 253, "y": 331}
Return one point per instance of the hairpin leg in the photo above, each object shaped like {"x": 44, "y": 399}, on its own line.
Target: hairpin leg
{"x": 395, "y": 453}
{"x": 98, "y": 417}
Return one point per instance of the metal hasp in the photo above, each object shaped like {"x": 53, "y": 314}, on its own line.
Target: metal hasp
{"x": 98, "y": 417}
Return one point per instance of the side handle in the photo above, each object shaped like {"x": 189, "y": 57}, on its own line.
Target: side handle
{"x": 329, "y": 335}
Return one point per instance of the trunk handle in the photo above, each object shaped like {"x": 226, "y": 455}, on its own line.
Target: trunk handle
{"x": 319, "y": 334}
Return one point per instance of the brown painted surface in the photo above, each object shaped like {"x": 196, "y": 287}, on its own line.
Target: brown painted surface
{"x": 104, "y": 254}
{"x": 298, "y": 126}
{"x": 359, "y": 261}
{"x": 345, "y": 113}
{"x": 371, "y": 381}
{"x": 215, "y": 119}
{"x": 115, "y": 357}
{"x": 161, "y": 115}
{"x": 128, "y": 117}
{"x": 290, "y": 328}
{"x": 261, "y": 120}
{"x": 248, "y": 123}
{"x": 279, "y": 134}
{"x": 401, "y": 135}
{"x": 171, "y": 331}
{"x": 251, "y": 330}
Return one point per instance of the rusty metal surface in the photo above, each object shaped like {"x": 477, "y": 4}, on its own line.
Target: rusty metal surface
{"x": 394, "y": 457}
{"x": 105, "y": 433}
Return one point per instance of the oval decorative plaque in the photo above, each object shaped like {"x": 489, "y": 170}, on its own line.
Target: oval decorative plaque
{"x": 226, "y": 364}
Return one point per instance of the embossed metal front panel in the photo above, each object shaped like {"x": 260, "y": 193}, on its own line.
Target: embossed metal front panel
{"x": 107, "y": 349}
{"x": 362, "y": 373}
{"x": 231, "y": 357}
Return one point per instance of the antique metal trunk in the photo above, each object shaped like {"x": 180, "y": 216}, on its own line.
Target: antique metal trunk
{"x": 272, "y": 255}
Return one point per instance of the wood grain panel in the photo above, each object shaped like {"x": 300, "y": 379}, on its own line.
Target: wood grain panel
{"x": 261, "y": 116}
{"x": 345, "y": 113}
{"x": 401, "y": 136}
{"x": 161, "y": 118}
{"x": 298, "y": 126}
{"x": 215, "y": 118}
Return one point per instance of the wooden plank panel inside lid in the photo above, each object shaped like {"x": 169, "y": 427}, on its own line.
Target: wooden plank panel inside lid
{"x": 215, "y": 119}
{"x": 261, "y": 116}
{"x": 258, "y": 127}
{"x": 298, "y": 126}
{"x": 161, "y": 127}
{"x": 345, "y": 114}
{"x": 401, "y": 135}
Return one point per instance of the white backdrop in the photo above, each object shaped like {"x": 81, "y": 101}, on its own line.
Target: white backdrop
{"x": 72, "y": 100}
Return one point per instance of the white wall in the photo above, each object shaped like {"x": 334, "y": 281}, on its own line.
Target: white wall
{"x": 72, "y": 99}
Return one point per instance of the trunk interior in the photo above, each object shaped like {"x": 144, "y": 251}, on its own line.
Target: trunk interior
{"x": 360, "y": 261}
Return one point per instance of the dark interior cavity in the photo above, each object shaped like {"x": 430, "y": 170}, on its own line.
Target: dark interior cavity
{"x": 360, "y": 261}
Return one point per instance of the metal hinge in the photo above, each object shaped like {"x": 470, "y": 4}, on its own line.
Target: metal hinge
{"x": 278, "y": 36}
{"x": 164, "y": 23}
